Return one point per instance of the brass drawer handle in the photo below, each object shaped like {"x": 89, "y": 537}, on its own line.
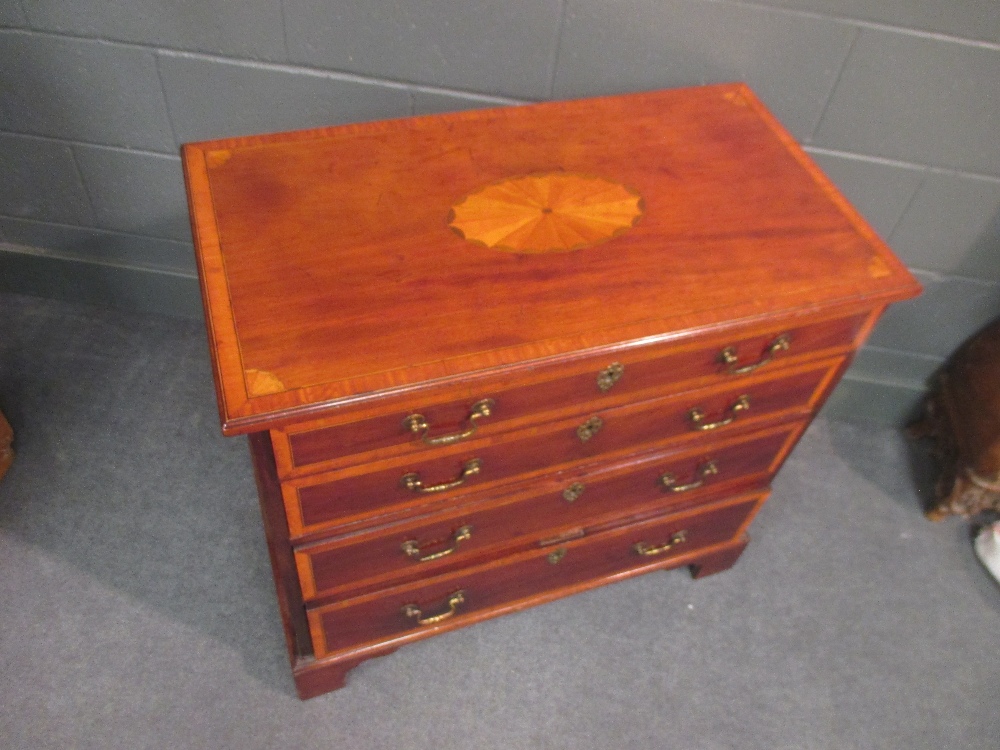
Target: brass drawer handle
{"x": 413, "y": 611}
{"x": 707, "y": 469}
{"x": 416, "y": 424}
{"x": 589, "y": 428}
{"x": 414, "y": 483}
{"x": 610, "y": 375}
{"x": 729, "y": 358}
{"x": 698, "y": 416}
{"x": 412, "y": 547}
{"x": 647, "y": 550}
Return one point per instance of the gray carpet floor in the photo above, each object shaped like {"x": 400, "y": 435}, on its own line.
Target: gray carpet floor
{"x": 137, "y": 609}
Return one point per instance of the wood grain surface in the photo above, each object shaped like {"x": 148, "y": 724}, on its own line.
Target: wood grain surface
{"x": 330, "y": 272}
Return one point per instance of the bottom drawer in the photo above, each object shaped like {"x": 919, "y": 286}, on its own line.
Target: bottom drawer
{"x": 472, "y": 594}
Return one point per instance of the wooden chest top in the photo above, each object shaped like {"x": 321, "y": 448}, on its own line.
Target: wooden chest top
{"x": 349, "y": 261}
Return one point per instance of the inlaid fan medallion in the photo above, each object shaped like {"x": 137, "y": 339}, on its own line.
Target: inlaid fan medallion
{"x": 546, "y": 213}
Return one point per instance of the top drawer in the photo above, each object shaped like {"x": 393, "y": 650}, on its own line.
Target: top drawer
{"x": 446, "y": 417}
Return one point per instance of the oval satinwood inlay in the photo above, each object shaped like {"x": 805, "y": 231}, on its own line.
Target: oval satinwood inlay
{"x": 546, "y": 213}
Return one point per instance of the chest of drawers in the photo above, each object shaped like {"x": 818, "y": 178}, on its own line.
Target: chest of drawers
{"x": 489, "y": 359}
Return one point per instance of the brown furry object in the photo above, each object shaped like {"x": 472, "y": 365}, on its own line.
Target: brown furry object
{"x": 963, "y": 416}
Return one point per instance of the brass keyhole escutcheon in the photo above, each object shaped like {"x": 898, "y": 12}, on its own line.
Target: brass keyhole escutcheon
{"x": 589, "y": 428}
{"x": 573, "y": 492}
{"x": 610, "y": 375}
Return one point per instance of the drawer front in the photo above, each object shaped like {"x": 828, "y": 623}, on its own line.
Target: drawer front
{"x": 324, "y": 501}
{"x": 591, "y": 384}
{"x": 470, "y": 594}
{"x": 573, "y": 503}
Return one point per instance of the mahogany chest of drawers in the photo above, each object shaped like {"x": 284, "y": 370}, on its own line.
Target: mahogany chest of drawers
{"x": 489, "y": 359}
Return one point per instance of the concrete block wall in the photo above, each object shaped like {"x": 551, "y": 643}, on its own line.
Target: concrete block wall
{"x": 898, "y": 100}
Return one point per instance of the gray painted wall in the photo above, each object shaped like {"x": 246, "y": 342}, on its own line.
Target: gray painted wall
{"x": 899, "y": 100}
